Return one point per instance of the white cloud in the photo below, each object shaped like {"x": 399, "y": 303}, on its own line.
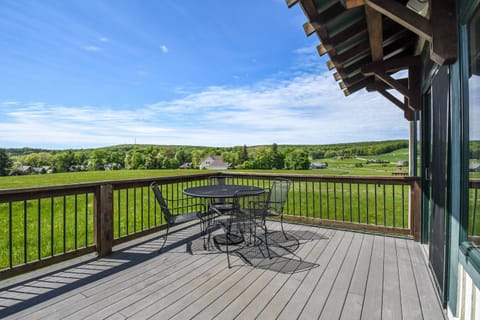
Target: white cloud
{"x": 298, "y": 108}
{"x": 164, "y": 49}
{"x": 92, "y": 48}
{"x": 103, "y": 39}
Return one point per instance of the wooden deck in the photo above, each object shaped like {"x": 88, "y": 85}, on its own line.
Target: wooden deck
{"x": 341, "y": 275}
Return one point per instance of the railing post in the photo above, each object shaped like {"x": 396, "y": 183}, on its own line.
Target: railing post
{"x": 104, "y": 219}
{"x": 415, "y": 209}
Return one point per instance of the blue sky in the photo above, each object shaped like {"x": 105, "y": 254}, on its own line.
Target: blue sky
{"x": 81, "y": 74}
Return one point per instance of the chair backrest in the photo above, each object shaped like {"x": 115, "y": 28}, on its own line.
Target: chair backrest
{"x": 278, "y": 195}
{"x": 161, "y": 201}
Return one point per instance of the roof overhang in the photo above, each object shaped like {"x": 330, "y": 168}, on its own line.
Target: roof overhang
{"x": 369, "y": 40}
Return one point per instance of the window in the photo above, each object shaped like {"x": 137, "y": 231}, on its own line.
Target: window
{"x": 473, "y": 222}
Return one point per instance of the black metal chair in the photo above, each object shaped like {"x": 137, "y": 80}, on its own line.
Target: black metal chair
{"x": 278, "y": 198}
{"x": 179, "y": 214}
{"x": 239, "y": 225}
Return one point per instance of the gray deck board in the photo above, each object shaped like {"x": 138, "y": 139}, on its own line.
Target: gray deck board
{"x": 318, "y": 297}
{"x": 338, "y": 293}
{"x": 356, "y": 292}
{"x": 410, "y": 300}
{"x": 341, "y": 275}
{"x": 372, "y": 303}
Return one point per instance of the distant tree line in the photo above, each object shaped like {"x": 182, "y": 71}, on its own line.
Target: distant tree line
{"x": 135, "y": 157}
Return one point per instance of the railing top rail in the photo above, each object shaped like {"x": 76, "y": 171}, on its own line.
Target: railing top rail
{"x": 59, "y": 190}
{"x": 16, "y": 194}
{"x": 406, "y": 180}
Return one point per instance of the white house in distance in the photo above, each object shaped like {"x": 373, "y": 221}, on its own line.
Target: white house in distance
{"x": 214, "y": 163}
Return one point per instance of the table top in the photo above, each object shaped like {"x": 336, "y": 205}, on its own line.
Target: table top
{"x": 223, "y": 191}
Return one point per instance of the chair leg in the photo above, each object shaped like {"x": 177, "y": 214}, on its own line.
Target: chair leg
{"x": 266, "y": 236}
{"x": 281, "y": 225}
{"x": 164, "y": 239}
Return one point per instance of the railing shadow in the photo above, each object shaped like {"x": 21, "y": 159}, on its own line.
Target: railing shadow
{"x": 23, "y": 294}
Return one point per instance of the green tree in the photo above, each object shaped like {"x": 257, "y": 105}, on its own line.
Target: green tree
{"x": 243, "y": 154}
{"x": 263, "y": 159}
{"x": 182, "y": 156}
{"x": 5, "y": 163}
{"x": 277, "y": 158}
{"x": 297, "y": 160}
{"x": 62, "y": 161}
{"x": 197, "y": 157}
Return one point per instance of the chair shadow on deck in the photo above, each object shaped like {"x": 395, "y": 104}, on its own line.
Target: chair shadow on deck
{"x": 282, "y": 251}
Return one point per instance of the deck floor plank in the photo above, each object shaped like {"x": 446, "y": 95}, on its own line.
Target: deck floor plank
{"x": 391, "y": 306}
{"x": 338, "y": 293}
{"x": 426, "y": 291}
{"x": 372, "y": 303}
{"x": 215, "y": 308}
{"x": 410, "y": 300}
{"x": 297, "y": 302}
{"x": 283, "y": 295}
{"x": 356, "y": 292}
{"x": 244, "y": 300}
{"x": 352, "y": 275}
{"x": 316, "y": 301}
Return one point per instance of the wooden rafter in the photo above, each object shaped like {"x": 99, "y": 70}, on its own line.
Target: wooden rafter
{"x": 410, "y": 90}
{"x": 440, "y": 30}
{"x": 350, "y": 4}
{"x": 375, "y": 33}
{"x": 291, "y": 3}
{"x": 379, "y": 85}
{"x": 403, "y": 16}
{"x": 407, "y": 112}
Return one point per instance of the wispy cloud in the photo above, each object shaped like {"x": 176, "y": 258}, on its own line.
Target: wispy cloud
{"x": 302, "y": 110}
{"x": 164, "y": 49}
{"x": 103, "y": 39}
{"x": 92, "y": 48}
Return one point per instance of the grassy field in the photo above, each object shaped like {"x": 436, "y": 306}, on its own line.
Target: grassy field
{"x": 46, "y": 227}
{"x": 346, "y": 166}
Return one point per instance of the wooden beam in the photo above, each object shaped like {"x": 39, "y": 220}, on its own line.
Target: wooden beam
{"x": 352, "y": 80}
{"x": 375, "y": 33}
{"x": 349, "y": 54}
{"x": 392, "y": 83}
{"x": 346, "y": 34}
{"x": 414, "y": 86}
{"x": 291, "y": 3}
{"x": 403, "y": 16}
{"x": 309, "y": 28}
{"x": 357, "y": 86}
{"x": 408, "y": 114}
{"x": 378, "y": 85}
{"x": 444, "y": 25}
{"x": 321, "y": 49}
{"x": 350, "y": 4}
{"x": 392, "y": 65}
{"x": 330, "y": 65}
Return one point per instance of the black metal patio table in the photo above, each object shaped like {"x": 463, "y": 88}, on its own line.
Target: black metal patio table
{"x": 224, "y": 192}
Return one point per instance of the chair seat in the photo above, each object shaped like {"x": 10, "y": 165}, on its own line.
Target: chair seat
{"x": 185, "y": 217}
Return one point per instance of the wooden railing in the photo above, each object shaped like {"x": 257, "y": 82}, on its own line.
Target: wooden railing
{"x": 41, "y": 226}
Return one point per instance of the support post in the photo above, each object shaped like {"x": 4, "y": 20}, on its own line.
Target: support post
{"x": 415, "y": 209}
{"x": 104, "y": 220}
{"x": 412, "y": 148}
